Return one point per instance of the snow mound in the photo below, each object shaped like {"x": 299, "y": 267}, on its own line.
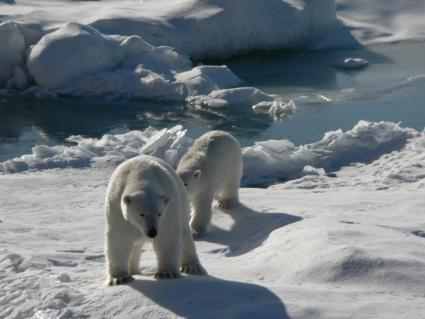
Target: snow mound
{"x": 70, "y": 52}
{"x": 325, "y": 250}
{"x": 110, "y": 66}
{"x": 265, "y": 163}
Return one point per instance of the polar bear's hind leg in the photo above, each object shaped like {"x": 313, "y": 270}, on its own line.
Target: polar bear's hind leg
{"x": 190, "y": 263}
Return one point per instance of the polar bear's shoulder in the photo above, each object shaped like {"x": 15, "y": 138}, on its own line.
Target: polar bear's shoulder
{"x": 140, "y": 170}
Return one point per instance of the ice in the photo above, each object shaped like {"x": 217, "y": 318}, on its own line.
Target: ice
{"x": 278, "y": 109}
{"x": 166, "y": 143}
{"x": 265, "y": 162}
{"x": 352, "y": 64}
{"x": 205, "y": 79}
{"x": 226, "y": 97}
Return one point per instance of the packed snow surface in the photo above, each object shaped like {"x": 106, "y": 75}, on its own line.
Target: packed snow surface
{"x": 320, "y": 246}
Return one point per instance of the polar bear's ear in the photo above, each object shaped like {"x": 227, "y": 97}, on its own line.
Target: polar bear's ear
{"x": 127, "y": 199}
{"x": 197, "y": 174}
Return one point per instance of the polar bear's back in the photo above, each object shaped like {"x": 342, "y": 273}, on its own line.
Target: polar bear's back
{"x": 217, "y": 142}
{"x": 218, "y": 147}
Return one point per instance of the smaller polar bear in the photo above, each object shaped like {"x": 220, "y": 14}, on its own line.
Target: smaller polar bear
{"x": 147, "y": 200}
{"x": 212, "y": 168}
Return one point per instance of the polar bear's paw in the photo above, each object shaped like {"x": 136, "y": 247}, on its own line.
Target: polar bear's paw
{"x": 199, "y": 232}
{"x": 227, "y": 203}
{"x": 167, "y": 275}
{"x": 115, "y": 281}
{"x": 193, "y": 269}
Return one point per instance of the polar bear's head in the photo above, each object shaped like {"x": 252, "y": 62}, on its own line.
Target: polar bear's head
{"x": 145, "y": 210}
{"x": 192, "y": 181}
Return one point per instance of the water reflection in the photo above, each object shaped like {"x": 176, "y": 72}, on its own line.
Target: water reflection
{"x": 53, "y": 120}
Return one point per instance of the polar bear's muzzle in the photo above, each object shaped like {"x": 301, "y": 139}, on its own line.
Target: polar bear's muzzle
{"x": 152, "y": 233}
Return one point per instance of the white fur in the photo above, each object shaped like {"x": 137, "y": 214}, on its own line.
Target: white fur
{"x": 212, "y": 168}
{"x": 145, "y": 196}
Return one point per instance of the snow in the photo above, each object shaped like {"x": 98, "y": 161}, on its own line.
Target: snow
{"x": 71, "y": 52}
{"x": 339, "y": 251}
{"x": 378, "y": 21}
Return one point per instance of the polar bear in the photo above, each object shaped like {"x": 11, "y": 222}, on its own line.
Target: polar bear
{"x": 212, "y": 168}
{"x": 146, "y": 200}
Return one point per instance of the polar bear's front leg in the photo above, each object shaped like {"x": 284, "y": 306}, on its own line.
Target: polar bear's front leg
{"x": 117, "y": 252}
{"x": 167, "y": 246}
{"x": 190, "y": 263}
{"x": 135, "y": 258}
{"x": 229, "y": 193}
{"x": 201, "y": 213}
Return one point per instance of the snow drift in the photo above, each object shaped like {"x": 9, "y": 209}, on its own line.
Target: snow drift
{"x": 265, "y": 162}
{"x": 70, "y": 52}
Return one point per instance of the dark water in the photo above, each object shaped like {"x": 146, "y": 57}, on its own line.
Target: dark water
{"x": 375, "y": 93}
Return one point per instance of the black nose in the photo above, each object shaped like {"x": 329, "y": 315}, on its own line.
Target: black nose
{"x": 152, "y": 233}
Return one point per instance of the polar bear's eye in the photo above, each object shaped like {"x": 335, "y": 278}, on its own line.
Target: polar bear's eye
{"x": 185, "y": 184}
{"x": 159, "y": 215}
{"x": 142, "y": 215}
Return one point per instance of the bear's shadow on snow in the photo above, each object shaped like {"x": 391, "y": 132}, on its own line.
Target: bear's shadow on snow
{"x": 249, "y": 230}
{"x": 210, "y": 297}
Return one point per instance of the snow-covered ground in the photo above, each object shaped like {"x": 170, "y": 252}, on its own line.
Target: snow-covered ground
{"x": 350, "y": 243}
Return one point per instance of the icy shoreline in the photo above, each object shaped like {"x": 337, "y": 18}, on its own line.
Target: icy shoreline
{"x": 265, "y": 162}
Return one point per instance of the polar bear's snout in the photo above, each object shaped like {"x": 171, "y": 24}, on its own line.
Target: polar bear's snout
{"x": 152, "y": 233}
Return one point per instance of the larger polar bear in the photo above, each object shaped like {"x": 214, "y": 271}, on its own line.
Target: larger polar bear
{"x": 212, "y": 168}
{"x": 147, "y": 200}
